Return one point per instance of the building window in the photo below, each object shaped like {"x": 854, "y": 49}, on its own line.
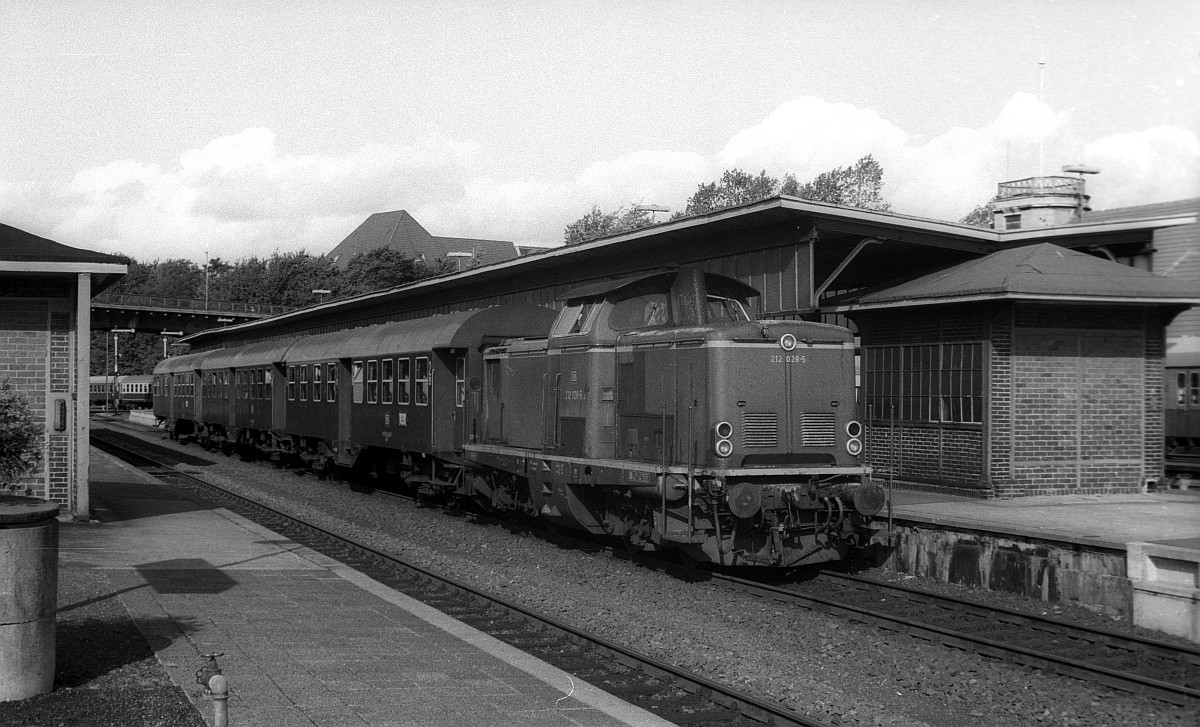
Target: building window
{"x": 331, "y": 382}
{"x": 422, "y": 382}
{"x": 940, "y": 383}
{"x": 1012, "y": 222}
{"x": 403, "y": 383}
{"x": 387, "y": 374}
{"x": 291, "y": 383}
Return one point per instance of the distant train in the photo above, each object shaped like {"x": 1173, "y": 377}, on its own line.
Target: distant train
{"x": 1181, "y": 408}
{"x": 652, "y": 409}
{"x": 121, "y": 392}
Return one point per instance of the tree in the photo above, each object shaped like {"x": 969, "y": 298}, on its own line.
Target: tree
{"x": 734, "y": 188}
{"x": 290, "y": 278}
{"x": 20, "y": 436}
{"x": 597, "y": 224}
{"x": 981, "y": 216}
{"x": 859, "y": 185}
{"x": 386, "y": 267}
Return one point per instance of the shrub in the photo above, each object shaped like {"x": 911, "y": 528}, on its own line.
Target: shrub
{"x": 20, "y": 436}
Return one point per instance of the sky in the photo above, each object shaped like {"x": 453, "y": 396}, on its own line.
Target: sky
{"x": 197, "y": 129}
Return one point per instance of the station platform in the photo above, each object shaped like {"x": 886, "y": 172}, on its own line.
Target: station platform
{"x": 1131, "y": 556}
{"x": 306, "y": 640}
{"x": 1111, "y": 521}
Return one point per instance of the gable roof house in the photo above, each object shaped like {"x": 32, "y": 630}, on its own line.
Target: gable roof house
{"x": 398, "y": 230}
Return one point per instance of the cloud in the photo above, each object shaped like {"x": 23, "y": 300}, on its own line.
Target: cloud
{"x": 249, "y": 194}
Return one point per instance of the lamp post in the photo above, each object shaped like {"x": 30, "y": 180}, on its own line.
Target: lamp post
{"x": 459, "y": 257}
{"x": 116, "y": 386}
{"x": 651, "y": 208}
{"x": 166, "y": 335}
{"x": 321, "y": 292}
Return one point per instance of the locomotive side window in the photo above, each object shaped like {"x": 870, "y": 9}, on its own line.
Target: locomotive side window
{"x": 388, "y": 374}
{"x": 316, "y": 382}
{"x": 575, "y": 318}
{"x": 291, "y": 383}
{"x": 638, "y": 310}
{"x": 421, "y": 388}
{"x": 331, "y": 382}
{"x": 403, "y": 385}
{"x": 356, "y": 381}
{"x": 304, "y": 383}
{"x": 372, "y": 382}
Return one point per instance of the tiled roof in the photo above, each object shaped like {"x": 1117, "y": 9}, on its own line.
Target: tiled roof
{"x": 1145, "y": 211}
{"x": 1035, "y": 271}
{"x": 398, "y": 230}
{"x": 19, "y": 245}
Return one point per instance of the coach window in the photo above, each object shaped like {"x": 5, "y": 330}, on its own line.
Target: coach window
{"x": 387, "y": 373}
{"x": 421, "y": 382}
{"x": 260, "y": 386}
{"x": 403, "y": 382}
{"x": 1181, "y": 389}
{"x": 304, "y": 383}
{"x": 291, "y": 383}
{"x": 372, "y": 382}
{"x": 356, "y": 381}
{"x": 460, "y": 381}
{"x": 316, "y": 381}
{"x": 268, "y": 379}
{"x": 331, "y": 382}
{"x": 1194, "y": 395}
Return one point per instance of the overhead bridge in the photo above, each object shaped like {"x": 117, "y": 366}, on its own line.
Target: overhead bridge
{"x": 175, "y": 316}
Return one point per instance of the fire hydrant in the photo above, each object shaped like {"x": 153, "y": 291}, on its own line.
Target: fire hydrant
{"x": 215, "y": 686}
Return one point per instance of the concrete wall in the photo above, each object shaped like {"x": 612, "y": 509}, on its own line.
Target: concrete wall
{"x": 1051, "y": 571}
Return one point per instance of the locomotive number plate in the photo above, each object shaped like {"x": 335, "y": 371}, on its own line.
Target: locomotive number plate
{"x": 788, "y": 358}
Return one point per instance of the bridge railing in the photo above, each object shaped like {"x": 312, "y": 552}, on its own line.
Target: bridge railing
{"x": 216, "y": 306}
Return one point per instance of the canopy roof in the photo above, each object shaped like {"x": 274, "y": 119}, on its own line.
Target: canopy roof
{"x": 1044, "y": 271}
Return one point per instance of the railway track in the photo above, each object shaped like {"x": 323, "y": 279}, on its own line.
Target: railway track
{"x": 1151, "y": 668}
{"x": 671, "y": 693}
{"x": 1156, "y": 669}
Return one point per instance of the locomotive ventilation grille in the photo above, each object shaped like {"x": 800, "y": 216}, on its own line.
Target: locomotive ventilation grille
{"x": 760, "y": 430}
{"x": 818, "y": 429}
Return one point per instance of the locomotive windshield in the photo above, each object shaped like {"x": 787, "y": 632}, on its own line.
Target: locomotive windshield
{"x": 726, "y": 310}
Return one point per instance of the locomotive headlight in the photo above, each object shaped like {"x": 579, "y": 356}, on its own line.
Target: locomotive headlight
{"x": 854, "y": 429}
{"x": 724, "y": 430}
{"x": 787, "y": 342}
{"x": 723, "y": 447}
{"x": 854, "y": 446}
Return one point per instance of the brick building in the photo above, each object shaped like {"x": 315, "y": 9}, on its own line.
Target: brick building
{"x": 1030, "y": 371}
{"x": 45, "y": 320}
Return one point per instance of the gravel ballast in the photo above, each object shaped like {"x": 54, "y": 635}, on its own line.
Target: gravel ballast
{"x": 819, "y": 665}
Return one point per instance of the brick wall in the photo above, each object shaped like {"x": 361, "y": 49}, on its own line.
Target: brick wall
{"x": 36, "y": 356}
{"x": 1074, "y": 401}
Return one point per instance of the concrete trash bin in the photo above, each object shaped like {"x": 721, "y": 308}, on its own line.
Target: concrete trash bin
{"x": 28, "y": 596}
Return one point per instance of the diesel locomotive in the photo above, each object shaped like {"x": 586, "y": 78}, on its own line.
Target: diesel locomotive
{"x": 653, "y": 409}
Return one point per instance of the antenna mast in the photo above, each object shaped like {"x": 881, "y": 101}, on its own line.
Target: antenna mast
{"x": 1041, "y": 127}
